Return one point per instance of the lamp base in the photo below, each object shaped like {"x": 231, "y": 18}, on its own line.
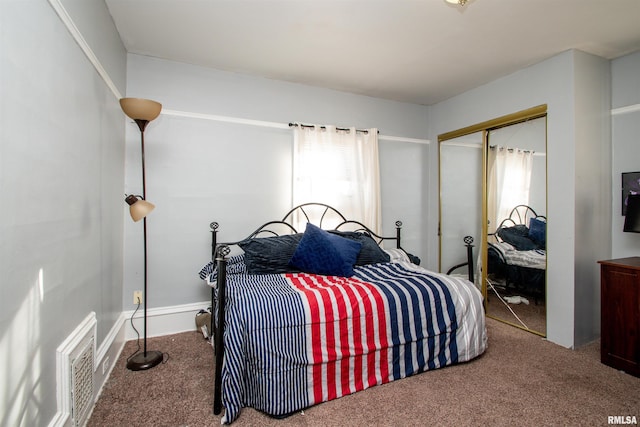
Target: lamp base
{"x": 141, "y": 362}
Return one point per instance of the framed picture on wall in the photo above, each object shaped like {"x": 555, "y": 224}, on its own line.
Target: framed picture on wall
{"x": 630, "y": 185}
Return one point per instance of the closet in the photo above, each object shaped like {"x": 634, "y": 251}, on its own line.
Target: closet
{"x": 492, "y": 179}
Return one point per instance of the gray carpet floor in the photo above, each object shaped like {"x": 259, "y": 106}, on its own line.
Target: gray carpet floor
{"x": 521, "y": 380}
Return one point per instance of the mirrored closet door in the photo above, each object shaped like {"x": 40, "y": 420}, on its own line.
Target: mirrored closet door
{"x": 493, "y": 188}
{"x": 461, "y": 202}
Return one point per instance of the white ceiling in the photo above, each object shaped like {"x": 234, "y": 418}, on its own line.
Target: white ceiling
{"x": 419, "y": 51}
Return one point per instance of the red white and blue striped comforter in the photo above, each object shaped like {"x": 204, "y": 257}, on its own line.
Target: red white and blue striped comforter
{"x": 295, "y": 340}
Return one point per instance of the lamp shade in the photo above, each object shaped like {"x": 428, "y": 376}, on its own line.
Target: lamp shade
{"x": 140, "y": 109}
{"x": 138, "y": 207}
{"x": 632, "y": 216}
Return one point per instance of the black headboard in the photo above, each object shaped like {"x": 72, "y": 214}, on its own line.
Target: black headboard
{"x": 320, "y": 214}
{"x": 520, "y": 215}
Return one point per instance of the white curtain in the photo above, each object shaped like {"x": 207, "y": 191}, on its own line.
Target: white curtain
{"x": 338, "y": 167}
{"x": 509, "y": 176}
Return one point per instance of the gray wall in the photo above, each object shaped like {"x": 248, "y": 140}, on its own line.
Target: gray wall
{"x": 61, "y": 198}
{"x": 592, "y": 121}
{"x": 201, "y": 170}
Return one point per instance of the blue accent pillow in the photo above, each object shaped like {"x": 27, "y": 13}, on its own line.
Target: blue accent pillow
{"x": 538, "y": 232}
{"x": 370, "y": 253}
{"x": 320, "y": 252}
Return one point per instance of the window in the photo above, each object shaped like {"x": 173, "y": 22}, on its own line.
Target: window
{"x": 338, "y": 167}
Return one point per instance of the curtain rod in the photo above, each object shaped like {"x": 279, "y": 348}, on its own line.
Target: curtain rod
{"x": 365, "y": 131}
{"x": 511, "y": 150}
{"x": 276, "y": 125}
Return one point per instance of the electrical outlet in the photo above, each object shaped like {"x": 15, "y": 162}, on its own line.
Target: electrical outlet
{"x": 137, "y": 297}
{"x": 105, "y": 365}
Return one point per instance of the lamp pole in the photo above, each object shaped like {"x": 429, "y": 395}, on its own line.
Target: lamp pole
{"x": 142, "y": 111}
{"x": 142, "y": 124}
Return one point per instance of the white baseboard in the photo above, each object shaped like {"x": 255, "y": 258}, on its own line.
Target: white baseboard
{"x": 164, "y": 320}
{"x": 108, "y": 353}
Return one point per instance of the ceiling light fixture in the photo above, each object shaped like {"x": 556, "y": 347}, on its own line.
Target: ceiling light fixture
{"x": 457, "y": 2}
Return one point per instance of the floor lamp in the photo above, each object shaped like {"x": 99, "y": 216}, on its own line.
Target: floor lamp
{"x": 142, "y": 111}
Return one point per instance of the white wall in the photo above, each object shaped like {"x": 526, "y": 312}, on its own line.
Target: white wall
{"x": 625, "y": 77}
{"x": 553, "y": 82}
{"x": 239, "y": 175}
{"x": 61, "y": 182}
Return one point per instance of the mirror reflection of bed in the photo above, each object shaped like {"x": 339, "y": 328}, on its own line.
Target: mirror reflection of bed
{"x": 516, "y": 264}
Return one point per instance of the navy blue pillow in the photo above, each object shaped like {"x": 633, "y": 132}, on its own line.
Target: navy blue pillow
{"x": 370, "y": 253}
{"x": 538, "y": 231}
{"x": 270, "y": 255}
{"x": 518, "y": 237}
{"x": 320, "y": 252}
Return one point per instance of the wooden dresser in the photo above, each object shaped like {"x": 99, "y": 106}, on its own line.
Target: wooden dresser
{"x": 620, "y": 314}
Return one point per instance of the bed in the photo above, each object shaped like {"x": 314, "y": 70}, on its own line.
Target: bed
{"x": 293, "y": 332}
{"x": 517, "y": 253}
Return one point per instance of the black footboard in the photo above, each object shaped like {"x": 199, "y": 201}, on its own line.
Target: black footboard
{"x": 219, "y": 256}
{"x": 221, "y": 266}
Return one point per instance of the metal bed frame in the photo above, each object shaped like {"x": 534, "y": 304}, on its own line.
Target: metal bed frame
{"x": 519, "y": 215}
{"x": 220, "y": 251}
